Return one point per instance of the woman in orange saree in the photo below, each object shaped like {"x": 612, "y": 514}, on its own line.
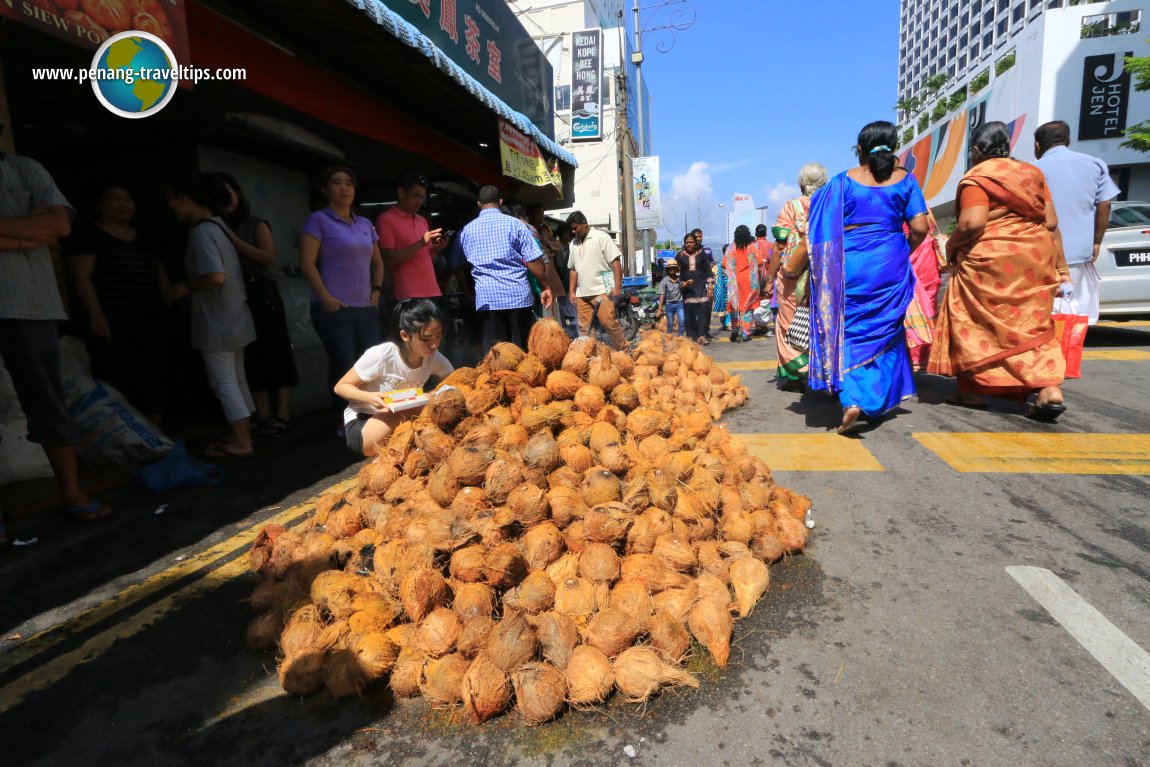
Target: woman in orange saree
{"x": 994, "y": 331}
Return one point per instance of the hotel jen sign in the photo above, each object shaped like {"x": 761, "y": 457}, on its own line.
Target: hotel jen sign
{"x": 1105, "y": 97}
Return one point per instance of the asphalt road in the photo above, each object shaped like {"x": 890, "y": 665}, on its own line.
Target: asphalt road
{"x": 900, "y": 638}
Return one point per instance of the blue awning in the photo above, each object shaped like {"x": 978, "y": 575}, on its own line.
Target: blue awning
{"x": 411, "y": 36}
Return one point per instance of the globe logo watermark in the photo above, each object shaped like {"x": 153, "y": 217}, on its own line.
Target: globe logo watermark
{"x": 134, "y": 74}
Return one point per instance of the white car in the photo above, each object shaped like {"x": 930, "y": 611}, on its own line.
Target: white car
{"x": 1124, "y": 261}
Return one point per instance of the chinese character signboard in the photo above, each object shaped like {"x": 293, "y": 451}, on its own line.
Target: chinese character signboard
{"x": 90, "y": 24}
{"x": 586, "y": 85}
{"x": 522, "y": 159}
{"x": 645, "y": 185}
{"x": 1105, "y": 96}
{"x": 488, "y": 42}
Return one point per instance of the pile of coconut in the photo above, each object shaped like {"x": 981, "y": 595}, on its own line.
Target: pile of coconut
{"x": 556, "y": 526}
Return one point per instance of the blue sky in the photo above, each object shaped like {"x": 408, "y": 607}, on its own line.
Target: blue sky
{"x": 757, "y": 88}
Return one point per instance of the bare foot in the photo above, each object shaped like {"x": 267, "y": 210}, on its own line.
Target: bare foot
{"x": 851, "y": 420}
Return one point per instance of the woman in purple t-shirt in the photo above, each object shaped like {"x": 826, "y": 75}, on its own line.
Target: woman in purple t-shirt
{"x": 339, "y": 256}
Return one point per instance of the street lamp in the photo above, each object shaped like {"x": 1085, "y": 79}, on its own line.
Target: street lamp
{"x": 699, "y": 209}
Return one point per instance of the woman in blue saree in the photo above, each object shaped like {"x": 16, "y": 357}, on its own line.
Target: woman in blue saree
{"x": 861, "y": 279}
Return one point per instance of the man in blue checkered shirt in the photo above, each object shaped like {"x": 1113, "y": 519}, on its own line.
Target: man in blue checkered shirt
{"x": 501, "y": 250}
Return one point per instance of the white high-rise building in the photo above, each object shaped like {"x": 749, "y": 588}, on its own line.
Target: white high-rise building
{"x": 1023, "y": 62}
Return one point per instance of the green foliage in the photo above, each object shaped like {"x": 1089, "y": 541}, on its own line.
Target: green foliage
{"x": 939, "y": 111}
{"x": 958, "y": 98}
{"x": 934, "y": 83}
{"x": 1003, "y": 64}
{"x": 1138, "y": 136}
{"x": 907, "y": 135}
{"x": 923, "y": 122}
{"x": 980, "y": 81}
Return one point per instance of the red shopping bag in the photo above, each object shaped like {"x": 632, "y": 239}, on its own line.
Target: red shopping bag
{"x": 1071, "y": 332}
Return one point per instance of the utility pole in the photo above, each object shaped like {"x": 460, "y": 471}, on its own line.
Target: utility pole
{"x": 637, "y": 60}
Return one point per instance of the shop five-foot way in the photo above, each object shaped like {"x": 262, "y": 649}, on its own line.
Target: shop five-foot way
{"x": 976, "y": 591}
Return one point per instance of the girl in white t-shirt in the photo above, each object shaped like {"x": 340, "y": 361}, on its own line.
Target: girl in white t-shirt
{"x": 405, "y": 363}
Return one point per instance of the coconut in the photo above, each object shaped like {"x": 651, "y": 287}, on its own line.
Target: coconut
{"x": 374, "y": 612}
{"x": 564, "y": 385}
{"x": 469, "y": 464}
{"x": 461, "y": 377}
{"x": 407, "y": 673}
{"x": 469, "y": 501}
{"x": 302, "y": 674}
{"x": 379, "y": 475}
{"x": 483, "y": 434}
{"x": 502, "y": 477}
{"x": 575, "y": 361}
{"x": 422, "y": 591}
{"x": 678, "y": 602}
{"x": 333, "y": 592}
{"x": 302, "y": 631}
{"x": 558, "y": 636}
{"x": 792, "y": 533}
{"x": 566, "y": 566}
{"x": 542, "y": 452}
{"x": 566, "y": 504}
{"x": 542, "y": 545}
{"x": 669, "y": 636}
{"x": 438, "y": 633}
{"x": 473, "y": 599}
{"x": 540, "y": 418}
{"x": 749, "y": 578}
{"x": 549, "y": 342}
{"x": 512, "y": 642}
{"x": 486, "y": 690}
{"x": 601, "y": 486}
{"x": 505, "y": 566}
{"x": 603, "y": 434}
{"x": 676, "y": 551}
{"x": 528, "y": 504}
{"x": 441, "y": 485}
{"x": 578, "y": 457}
{"x": 710, "y": 555}
{"x": 640, "y": 536}
{"x": 342, "y": 676}
{"x": 615, "y": 459}
{"x": 590, "y": 399}
{"x": 767, "y": 547}
{"x": 653, "y": 572}
{"x": 644, "y": 422}
{"x": 575, "y": 597}
{"x": 611, "y": 631}
{"x": 402, "y": 635}
{"x": 624, "y": 363}
{"x": 633, "y": 599}
{"x": 734, "y": 550}
{"x": 625, "y": 397}
{"x": 540, "y": 692}
{"x": 483, "y": 399}
{"x": 599, "y": 562}
{"x": 532, "y": 370}
{"x": 265, "y": 597}
{"x": 590, "y": 677}
{"x": 403, "y": 489}
{"x": 344, "y": 522}
{"x": 606, "y": 523}
{"x": 443, "y": 679}
{"x": 710, "y": 623}
{"x": 711, "y": 587}
{"x": 265, "y": 541}
{"x": 640, "y": 671}
{"x": 602, "y": 374}
{"x": 535, "y": 594}
{"x": 264, "y": 630}
{"x": 446, "y": 407}
{"x": 375, "y": 655}
{"x": 474, "y": 634}
{"x": 503, "y": 356}
{"x": 564, "y": 476}
{"x": 467, "y": 564}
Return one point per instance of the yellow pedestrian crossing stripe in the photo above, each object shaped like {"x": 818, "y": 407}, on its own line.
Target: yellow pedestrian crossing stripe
{"x": 1131, "y": 324}
{"x": 1021, "y": 453}
{"x": 1116, "y": 355}
{"x": 811, "y": 452}
{"x": 741, "y": 365}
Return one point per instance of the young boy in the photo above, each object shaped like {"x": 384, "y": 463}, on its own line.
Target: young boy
{"x": 671, "y": 299}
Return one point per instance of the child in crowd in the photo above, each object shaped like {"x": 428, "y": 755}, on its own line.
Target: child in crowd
{"x": 405, "y": 363}
{"x": 671, "y": 299}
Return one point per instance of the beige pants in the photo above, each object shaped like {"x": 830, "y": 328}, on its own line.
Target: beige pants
{"x": 606, "y": 316}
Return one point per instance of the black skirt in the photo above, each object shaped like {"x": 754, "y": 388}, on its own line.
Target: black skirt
{"x": 269, "y": 361}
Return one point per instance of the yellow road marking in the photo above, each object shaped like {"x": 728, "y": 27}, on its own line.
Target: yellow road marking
{"x": 38, "y": 643}
{"x": 1116, "y": 355}
{"x": 1131, "y": 324}
{"x": 1042, "y": 453}
{"x": 811, "y": 452}
{"x": 733, "y": 367}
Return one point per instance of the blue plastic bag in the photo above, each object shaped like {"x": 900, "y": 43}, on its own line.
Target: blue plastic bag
{"x": 178, "y": 469}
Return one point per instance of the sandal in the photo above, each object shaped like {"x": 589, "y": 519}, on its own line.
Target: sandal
{"x": 93, "y": 512}
{"x": 1047, "y": 413}
{"x": 853, "y": 425}
{"x": 272, "y": 427}
{"x": 226, "y": 450}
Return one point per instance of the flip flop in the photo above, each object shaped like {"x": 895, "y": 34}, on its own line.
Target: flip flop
{"x": 955, "y": 402}
{"x": 93, "y": 512}
{"x": 226, "y": 450}
{"x": 1047, "y": 413}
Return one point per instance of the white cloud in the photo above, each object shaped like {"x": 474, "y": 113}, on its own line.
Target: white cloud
{"x": 780, "y": 193}
{"x": 691, "y": 202}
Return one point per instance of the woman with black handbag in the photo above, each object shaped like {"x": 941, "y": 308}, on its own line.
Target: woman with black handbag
{"x": 269, "y": 360}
